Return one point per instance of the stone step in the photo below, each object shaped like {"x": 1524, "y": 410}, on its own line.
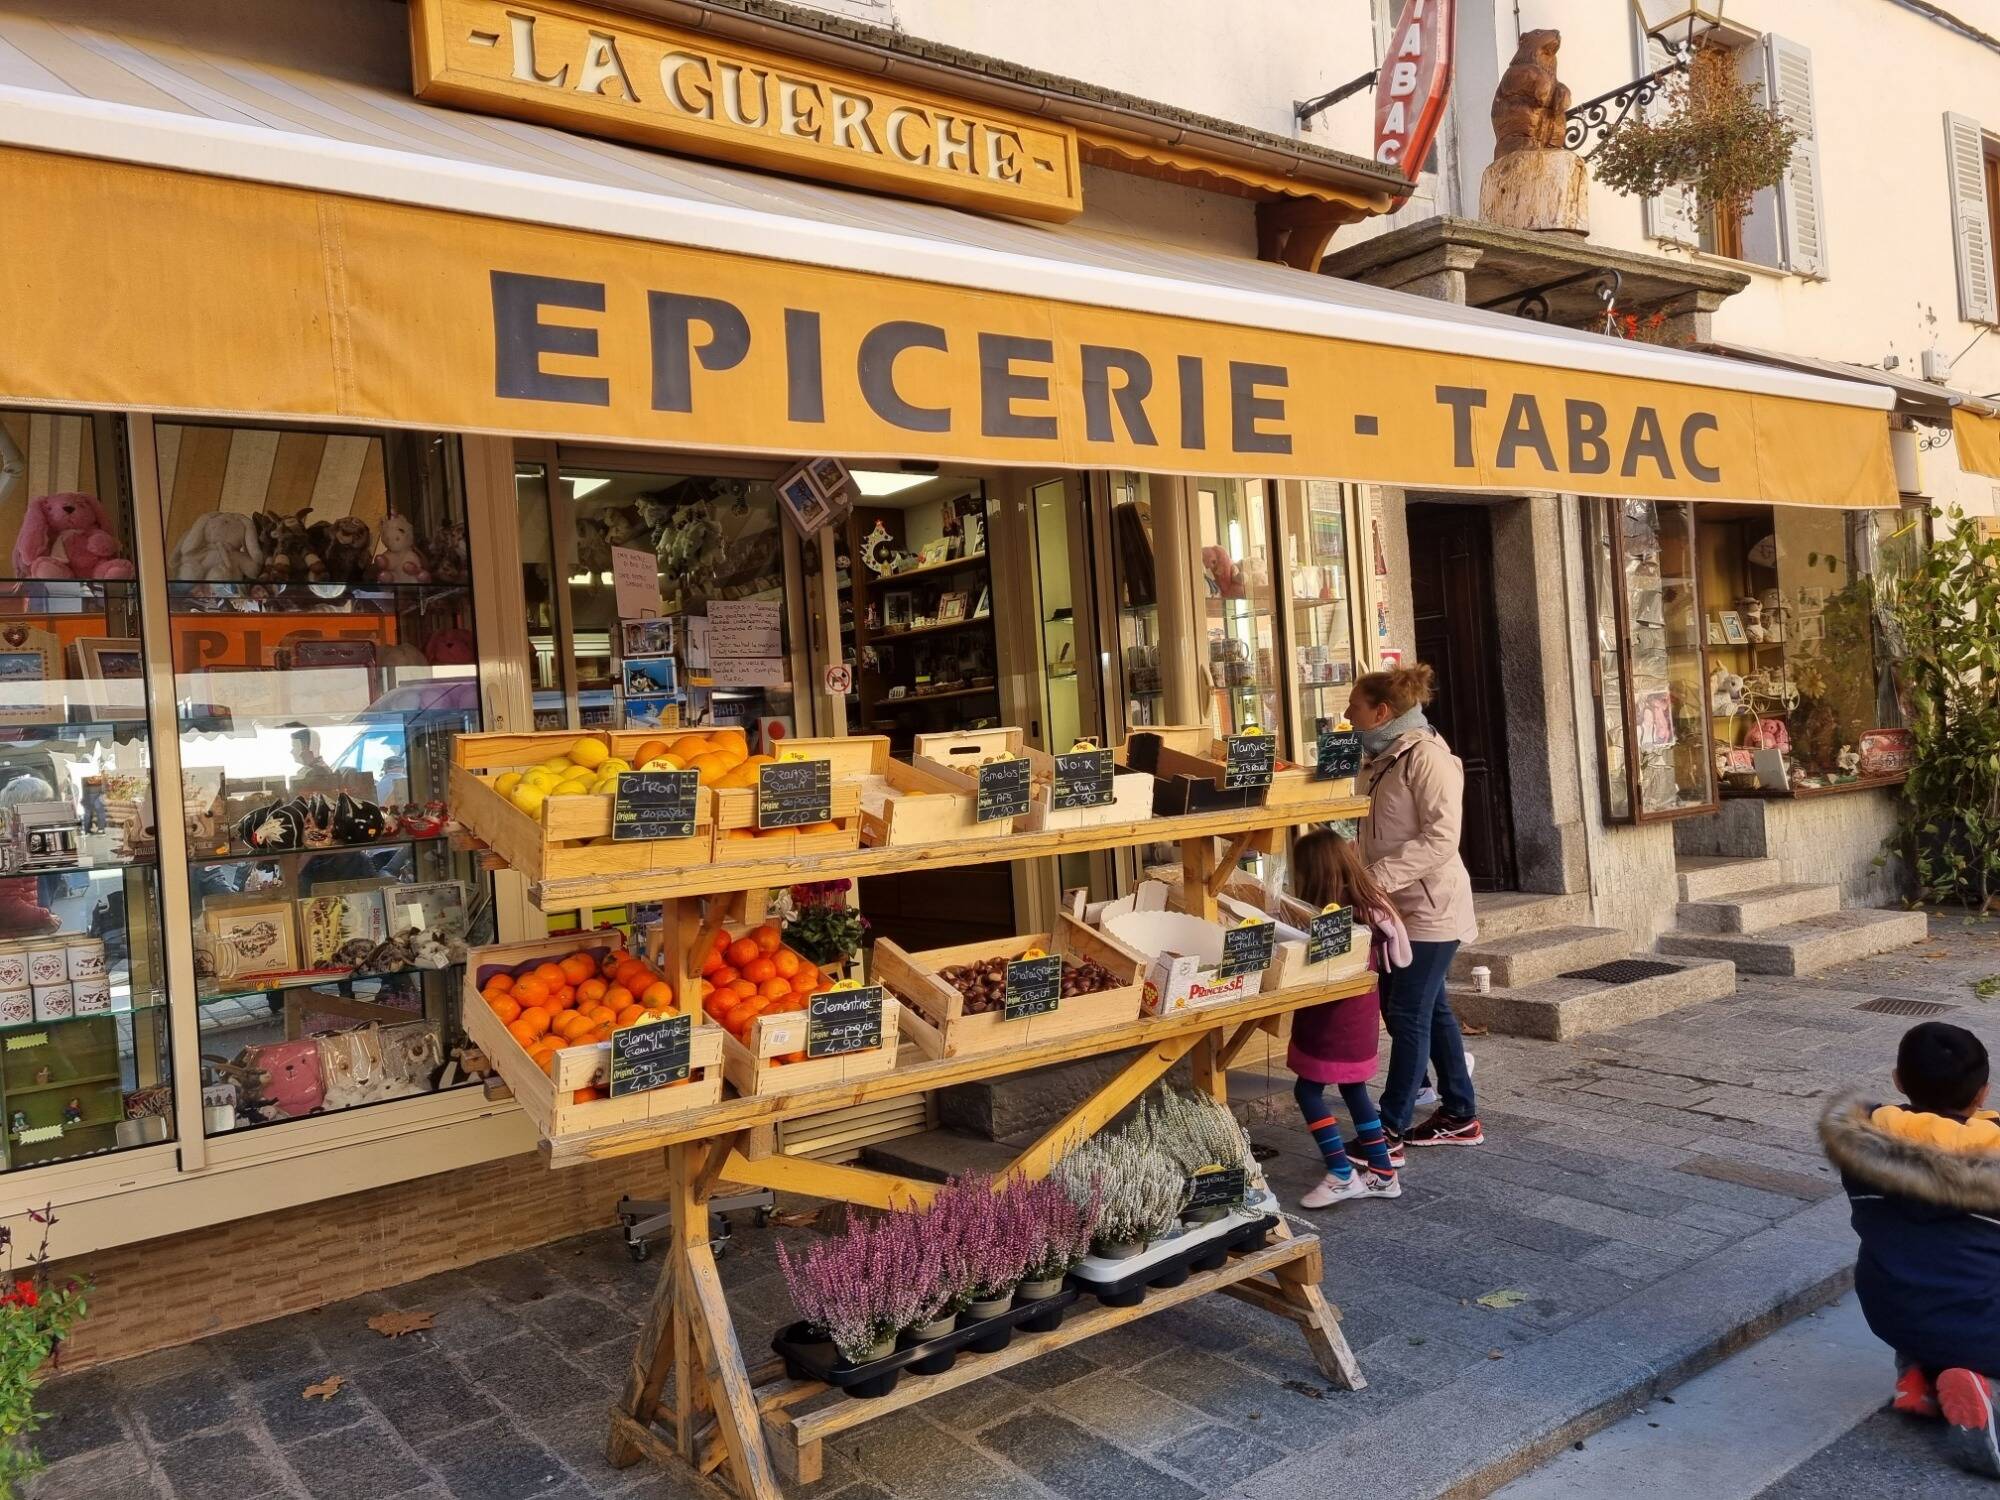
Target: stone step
{"x": 1504, "y": 913}
{"x": 1758, "y": 911}
{"x": 1555, "y": 1010}
{"x": 1528, "y": 957}
{"x": 1809, "y": 946}
{"x": 1709, "y": 877}
{"x": 938, "y": 1156}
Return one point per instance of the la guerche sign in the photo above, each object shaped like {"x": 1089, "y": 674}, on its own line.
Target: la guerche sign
{"x": 600, "y": 73}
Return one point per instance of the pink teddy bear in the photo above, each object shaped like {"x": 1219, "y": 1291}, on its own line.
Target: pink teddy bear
{"x": 65, "y": 536}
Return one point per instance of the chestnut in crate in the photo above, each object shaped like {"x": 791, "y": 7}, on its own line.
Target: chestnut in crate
{"x": 984, "y": 984}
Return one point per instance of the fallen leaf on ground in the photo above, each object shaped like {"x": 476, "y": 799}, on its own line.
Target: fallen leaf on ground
{"x": 324, "y": 1390}
{"x": 1495, "y": 1354}
{"x": 1303, "y": 1388}
{"x": 1505, "y": 1298}
{"x": 795, "y": 1218}
{"x": 393, "y": 1325}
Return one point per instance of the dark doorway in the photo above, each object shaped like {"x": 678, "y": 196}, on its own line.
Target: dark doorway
{"x": 1451, "y": 588}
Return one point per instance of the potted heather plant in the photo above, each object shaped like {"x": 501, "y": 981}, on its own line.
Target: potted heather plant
{"x": 1063, "y": 1226}
{"x": 861, "y": 1287}
{"x": 1141, "y": 1193}
{"x": 1197, "y": 1135}
{"x": 942, "y": 1292}
{"x": 992, "y": 1245}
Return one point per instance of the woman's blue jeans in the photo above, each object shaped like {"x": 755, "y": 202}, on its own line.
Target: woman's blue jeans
{"x": 1423, "y": 1031}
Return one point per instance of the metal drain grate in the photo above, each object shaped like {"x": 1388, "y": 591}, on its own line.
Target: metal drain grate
{"x": 1900, "y": 1005}
{"x": 1624, "y": 971}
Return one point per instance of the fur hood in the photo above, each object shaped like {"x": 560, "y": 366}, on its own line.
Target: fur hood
{"x": 1906, "y": 1168}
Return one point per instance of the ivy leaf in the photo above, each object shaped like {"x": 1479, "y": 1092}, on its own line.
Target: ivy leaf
{"x": 1505, "y": 1298}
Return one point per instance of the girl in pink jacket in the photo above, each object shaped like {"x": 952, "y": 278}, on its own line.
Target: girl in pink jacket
{"x": 1409, "y": 842}
{"x": 1337, "y": 1042}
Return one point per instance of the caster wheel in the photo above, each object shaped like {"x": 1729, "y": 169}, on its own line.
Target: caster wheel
{"x": 763, "y": 1218}
{"x": 639, "y": 1250}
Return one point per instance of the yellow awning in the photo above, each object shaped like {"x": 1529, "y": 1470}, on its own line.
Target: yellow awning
{"x": 1978, "y": 439}
{"x": 371, "y": 259}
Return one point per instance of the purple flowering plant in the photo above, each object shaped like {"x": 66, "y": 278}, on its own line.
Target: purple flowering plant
{"x": 863, "y": 1286}
{"x": 1063, "y": 1220}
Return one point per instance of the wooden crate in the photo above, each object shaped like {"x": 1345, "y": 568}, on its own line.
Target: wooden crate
{"x": 753, "y": 1068}
{"x": 936, "y": 1017}
{"x": 1131, "y": 800}
{"x": 907, "y": 804}
{"x": 951, "y": 763}
{"x": 547, "y": 1097}
{"x": 573, "y": 835}
{"x": 1194, "y": 753}
{"x": 1288, "y": 962}
{"x": 853, "y": 759}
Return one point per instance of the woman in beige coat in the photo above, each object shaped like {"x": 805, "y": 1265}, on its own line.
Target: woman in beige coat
{"x": 1409, "y": 841}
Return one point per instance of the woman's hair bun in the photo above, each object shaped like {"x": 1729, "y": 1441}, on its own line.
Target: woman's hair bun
{"x": 1402, "y": 689}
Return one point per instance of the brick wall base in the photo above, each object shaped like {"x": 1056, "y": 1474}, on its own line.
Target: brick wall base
{"x": 164, "y": 1292}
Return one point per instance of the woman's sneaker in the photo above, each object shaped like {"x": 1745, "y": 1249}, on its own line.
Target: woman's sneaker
{"x": 1967, "y": 1401}
{"x": 1915, "y": 1395}
{"x": 1331, "y": 1190}
{"x": 1397, "y": 1157}
{"x": 1442, "y": 1130}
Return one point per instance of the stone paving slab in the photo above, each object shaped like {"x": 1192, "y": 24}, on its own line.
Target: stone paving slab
{"x": 1649, "y": 1234}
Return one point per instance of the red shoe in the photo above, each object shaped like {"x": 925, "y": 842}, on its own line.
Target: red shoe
{"x": 1967, "y": 1401}
{"x": 1442, "y": 1130}
{"x": 1915, "y": 1395}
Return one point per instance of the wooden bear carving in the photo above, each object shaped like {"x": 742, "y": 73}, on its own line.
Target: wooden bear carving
{"x": 1529, "y": 104}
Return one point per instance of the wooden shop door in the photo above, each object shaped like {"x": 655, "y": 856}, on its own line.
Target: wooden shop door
{"x": 1451, "y": 589}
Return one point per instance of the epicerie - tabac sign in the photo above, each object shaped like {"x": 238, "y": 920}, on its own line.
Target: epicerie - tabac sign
{"x": 602, "y": 73}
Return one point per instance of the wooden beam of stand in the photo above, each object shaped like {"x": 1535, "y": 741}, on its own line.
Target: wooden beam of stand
{"x": 748, "y": 1461}
{"x": 1097, "y": 1111}
{"x": 1226, "y": 867}
{"x": 1237, "y": 1043}
{"x": 719, "y": 1151}
{"x": 819, "y": 1179}
{"x": 1298, "y": 1284}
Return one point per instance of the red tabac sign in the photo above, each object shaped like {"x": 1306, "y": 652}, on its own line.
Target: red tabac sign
{"x": 1414, "y": 84}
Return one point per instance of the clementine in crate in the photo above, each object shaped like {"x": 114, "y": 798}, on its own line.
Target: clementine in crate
{"x": 657, "y": 994}
{"x": 618, "y": 997}
{"x": 744, "y": 951}
{"x": 768, "y": 939}
{"x": 591, "y": 991}
{"x": 505, "y": 1007}
{"x": 577, "y": 968}
{"x": 500, "y": 982}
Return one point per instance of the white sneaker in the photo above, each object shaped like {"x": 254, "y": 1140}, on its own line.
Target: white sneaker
{"x": 1427, "y": 1098}
{"x": 1471, "y": 1062}
{"x": 1331, "y": 1190}
{"x": 1382, "y": 1187}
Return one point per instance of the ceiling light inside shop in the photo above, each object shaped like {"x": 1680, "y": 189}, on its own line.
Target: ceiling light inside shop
{"x": 578, "y": 488}
{"x": 875, "y": 483}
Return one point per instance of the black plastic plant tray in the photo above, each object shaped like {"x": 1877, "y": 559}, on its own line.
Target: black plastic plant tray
{"x": 1210, "y": 1255}
{"x": 809, "y": 1357}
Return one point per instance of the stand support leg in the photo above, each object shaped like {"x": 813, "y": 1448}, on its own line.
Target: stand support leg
{"x": 651, "y": 1361}
{"x": 1298, "y": 1284}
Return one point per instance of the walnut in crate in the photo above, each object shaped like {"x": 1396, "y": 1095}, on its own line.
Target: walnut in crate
{"x": 984, "y": 984}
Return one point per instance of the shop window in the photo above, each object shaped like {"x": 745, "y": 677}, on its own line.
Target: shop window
{"x": 1317, "y": 593}
{"x": 84, "y": 1065}
{"x": 1136, "y": 589}
{"x": 321, "y": 615}
{"x": 1801, "y": 667}
{"x": 919, "y": 603}
{"x": 1652, "y": 676}
{"x": 1239, "y": 604}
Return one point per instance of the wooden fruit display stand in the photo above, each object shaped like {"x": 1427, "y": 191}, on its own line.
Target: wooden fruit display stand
{"x": 691, "y": 1396}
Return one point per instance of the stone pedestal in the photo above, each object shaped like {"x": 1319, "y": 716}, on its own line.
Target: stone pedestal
{"x": 1546, "y": 190}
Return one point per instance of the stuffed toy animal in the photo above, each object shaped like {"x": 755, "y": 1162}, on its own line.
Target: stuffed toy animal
{"x": 399, "y": 561}
{"x": 449, "y": 555}
{"x": 358, "y": 822}
{"x": 343, "y": 548}
{"x": 221, "y": 547}
{"x": 288, "y": 550}
{"x": 450, "y": 647}
{"x": 64, "y": 536}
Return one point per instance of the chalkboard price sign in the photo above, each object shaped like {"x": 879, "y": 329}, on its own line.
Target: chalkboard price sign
{"x": 1034, "y": 986}
{"x": 793, "y": 793}
{"x": 1003, "y": 789}
{"x": 1217, "y": 1188}
{"x": 654, "y": 805}
{"x": 843, "y": 1021}
{"x": 1339, "y": 753}
{"x": 650, "y": 1055}
{"x": 1083, "y": 779}
{"x": 1248, "y": 761}
{"x": 1330, "y": 935}
{"x": 1246, "y": 950}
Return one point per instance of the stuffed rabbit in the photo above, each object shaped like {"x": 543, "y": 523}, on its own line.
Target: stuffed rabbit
{"x": 64, "y": 536}
{"x": 221, "y": 547}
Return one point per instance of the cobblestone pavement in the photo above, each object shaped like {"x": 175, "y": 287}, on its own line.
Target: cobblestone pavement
{"x": 1649, "y": 1191}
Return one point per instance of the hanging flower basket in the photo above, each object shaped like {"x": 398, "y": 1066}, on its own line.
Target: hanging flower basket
{"x": 1715, "y": 136}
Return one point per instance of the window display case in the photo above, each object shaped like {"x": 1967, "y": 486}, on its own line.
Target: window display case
{"x": 1655, "y": 687}
{"x": 84, "y": 1065}
{"x": 1803, "y": 671}
{"x": 1239, "y": 603}
{"x": 321, "y": 621}
{"x": 1136, "y": 584}
{"x": 1318, "y": 596}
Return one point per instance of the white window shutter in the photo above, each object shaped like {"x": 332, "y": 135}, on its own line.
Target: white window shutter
{"x": 1801, "y": 205}
{"x": 1972, "y": 239}
{"x": 1672, "y": 216}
